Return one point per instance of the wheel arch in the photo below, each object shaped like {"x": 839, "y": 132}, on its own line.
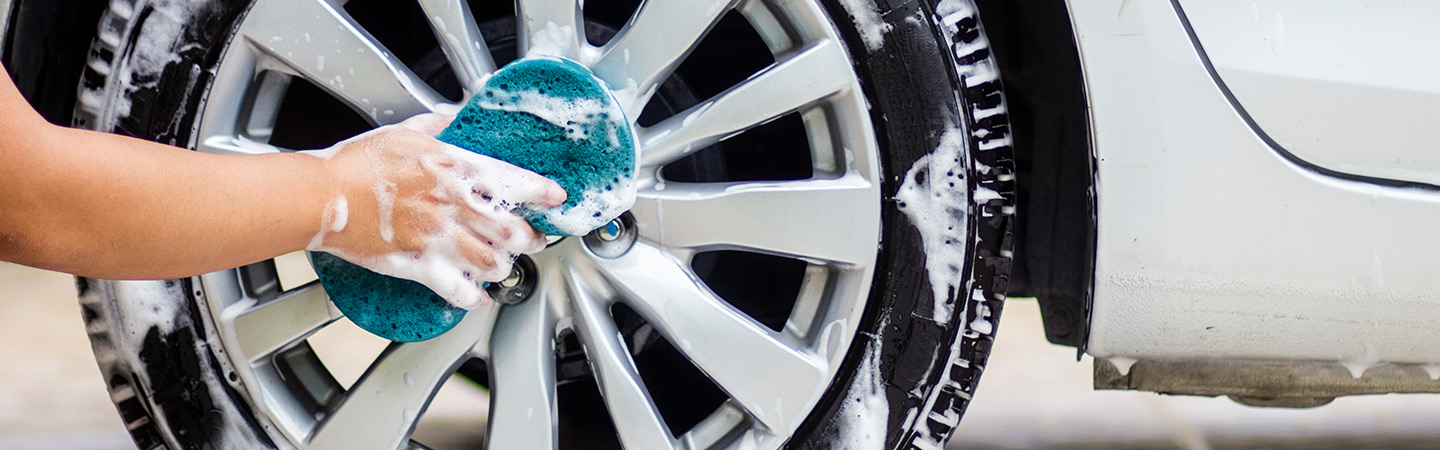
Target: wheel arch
{"x": 1055, "y": 229}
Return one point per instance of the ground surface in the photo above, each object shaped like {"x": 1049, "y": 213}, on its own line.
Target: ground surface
{"x": 1033, "y": 395}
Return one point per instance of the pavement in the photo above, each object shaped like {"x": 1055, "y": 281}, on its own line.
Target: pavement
{"x": 1033, "y": 395}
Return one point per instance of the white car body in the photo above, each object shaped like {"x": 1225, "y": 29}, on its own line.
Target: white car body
{"x": 1275, "y": 203}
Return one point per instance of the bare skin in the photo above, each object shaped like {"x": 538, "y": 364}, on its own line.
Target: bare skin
{"x": 107, "y": 206}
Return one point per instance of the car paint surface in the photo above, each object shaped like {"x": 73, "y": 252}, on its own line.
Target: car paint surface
{"x": 1212, "y": 245}
{"x": 1350, "y": 86}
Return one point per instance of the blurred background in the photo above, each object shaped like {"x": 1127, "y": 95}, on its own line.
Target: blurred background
{"x": 1033, "y": 395}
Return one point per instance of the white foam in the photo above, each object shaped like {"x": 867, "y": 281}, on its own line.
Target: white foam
{"x": 870, "y": 24}
{"x": 551, "y": 40}
{"x": 933, "y": 196}
{"x": 595, "y": 208}
{"x": 333, "y": 220}
{"x": 144, "y": 304}
{"x": 865, "y": 411}
{"x": 158, "y": 44}
{"x": 341, "y": 215}
{"x": 385, "y": 199}
{"x": 574, "y": 115}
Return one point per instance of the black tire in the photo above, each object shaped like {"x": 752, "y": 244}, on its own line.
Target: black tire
{"x": 917, "y": 89}
{"x": 171, "y": 380}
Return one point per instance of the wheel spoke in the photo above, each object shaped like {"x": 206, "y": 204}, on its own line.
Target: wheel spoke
{"x": 759, "y": 371}
{"x": 522, "y": 368}
{"x": 235, "y": 145}
{"x": 804, "y": 78}
{"x": 775, "y": 218}
{"x": 315, "y": 40}
{"x": 549, "y": 23}
{"x": 461, "y": 41}
{"x": 636, "y": 418}
{"x": 263, "y": 329}
{"x": 381, "y": 410}
{"x": 654, "y": 42}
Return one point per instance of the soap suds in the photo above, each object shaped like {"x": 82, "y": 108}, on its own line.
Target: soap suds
{"x": 147, "y": 304}
{"x": 580, "y": 218}
{"x": 983, "y": 70}
{"x": 385, "y": 199}
{"x": 982, "y": 323}
{"x": 574, "y": 115}
{"x": 870, "y": 24}
{"x": 333, "y": 220}
{"x": 157, "y": 45}
{"x": 866, "y": 408}
{"x": 551, "y": 40}
{"x": 340, "y": 214}
{"x": 933, "y": 196}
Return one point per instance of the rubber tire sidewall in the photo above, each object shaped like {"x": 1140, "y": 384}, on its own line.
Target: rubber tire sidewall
{"x": 167, "y": 374}
{"x": 916, "y": 92}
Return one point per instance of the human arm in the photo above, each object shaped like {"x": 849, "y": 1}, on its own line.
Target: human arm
{"x": 108, "y": 206}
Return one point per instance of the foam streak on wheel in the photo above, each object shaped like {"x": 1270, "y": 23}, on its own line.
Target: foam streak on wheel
{"x": 818, "y": 253}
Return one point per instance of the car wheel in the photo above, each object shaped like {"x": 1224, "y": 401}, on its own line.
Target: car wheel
{"x": 817, "y": 258}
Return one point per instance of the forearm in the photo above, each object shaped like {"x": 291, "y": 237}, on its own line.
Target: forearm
{"x": 107, "y": 206}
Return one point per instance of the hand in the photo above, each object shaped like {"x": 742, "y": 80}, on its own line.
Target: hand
{"x": 409, "y": 206}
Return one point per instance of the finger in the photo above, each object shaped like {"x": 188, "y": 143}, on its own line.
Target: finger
{"x": 430, "y": 123}
{"x": 465, "y": 294}
{"x": 486, "y": 263}
{"x": 510, "y": 183}
{"x": 506, "y": 232}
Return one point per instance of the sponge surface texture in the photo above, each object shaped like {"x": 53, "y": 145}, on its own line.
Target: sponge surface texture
{"x": 554, "y": 118}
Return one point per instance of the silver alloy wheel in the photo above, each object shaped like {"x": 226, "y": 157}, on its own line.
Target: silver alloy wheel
{"x": 773, "y": 379}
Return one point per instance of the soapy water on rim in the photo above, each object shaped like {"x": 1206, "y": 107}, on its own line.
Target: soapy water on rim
{"x": 868, "y": 22}
{"x": 551, "y": 40}
{"x": 865, "y": 409}
{"x": 933, "y": 196}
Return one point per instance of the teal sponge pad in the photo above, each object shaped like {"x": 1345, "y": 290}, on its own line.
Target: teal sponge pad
{"x": 547, "y": 115}
{"x": 553, "y": 117}
{"x": 389, "y": 307}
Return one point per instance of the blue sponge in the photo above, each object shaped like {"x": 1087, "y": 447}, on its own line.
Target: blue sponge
{"x": 547, "y": 115}
{"x": 552, "y": 116}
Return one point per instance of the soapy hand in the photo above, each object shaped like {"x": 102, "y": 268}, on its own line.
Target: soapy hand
{"x": 409, "y": 206}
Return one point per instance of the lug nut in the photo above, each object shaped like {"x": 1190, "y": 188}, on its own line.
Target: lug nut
{"x": 514, "y": 278}
{"x": 611, "y": 231}
{"x": 613, "y": 239}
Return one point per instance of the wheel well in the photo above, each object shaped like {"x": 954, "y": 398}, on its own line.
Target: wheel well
{"x": 1035, "y": 47}
{"x": 46, "y": 44}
